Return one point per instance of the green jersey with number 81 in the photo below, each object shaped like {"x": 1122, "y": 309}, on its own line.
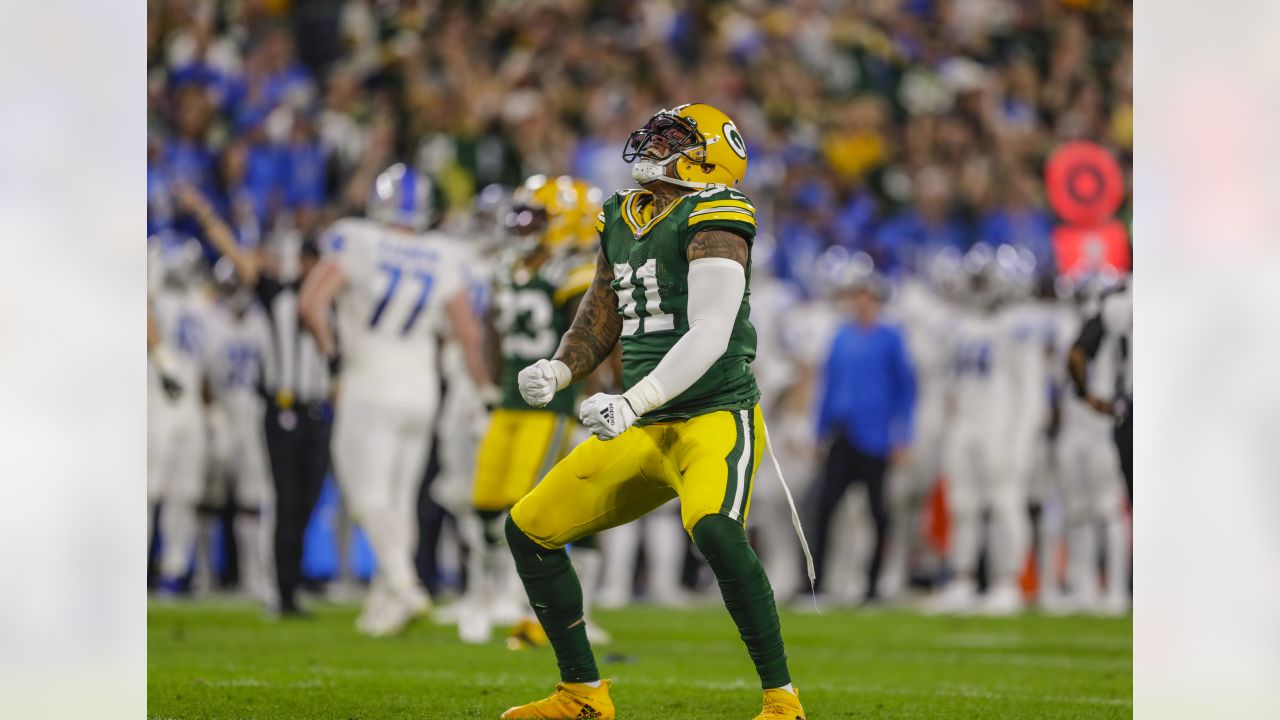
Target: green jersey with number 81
{"x": 531, "y": 313}
{"x": 651, "y": 279}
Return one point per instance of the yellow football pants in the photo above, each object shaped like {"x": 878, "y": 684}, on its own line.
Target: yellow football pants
{"x": 708, "y": 461}
{"x": 519, "y": 447}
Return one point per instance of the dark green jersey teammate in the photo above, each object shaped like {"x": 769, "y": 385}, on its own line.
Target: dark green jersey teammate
{"x": 532, "y": 309}
{"x": 650, "y": 277}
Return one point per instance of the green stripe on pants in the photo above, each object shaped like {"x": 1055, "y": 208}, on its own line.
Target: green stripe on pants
{"x": 732, "y": 465}
{"x": 748, "y": 423}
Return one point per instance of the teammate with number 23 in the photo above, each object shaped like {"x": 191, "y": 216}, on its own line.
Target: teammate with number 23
{"x": 671, "y": 283}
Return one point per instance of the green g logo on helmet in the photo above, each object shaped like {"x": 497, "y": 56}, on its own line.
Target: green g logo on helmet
{"x": 734, "y": 138}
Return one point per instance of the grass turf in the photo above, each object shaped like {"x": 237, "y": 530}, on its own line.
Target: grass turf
{"x": 219, "y": 660}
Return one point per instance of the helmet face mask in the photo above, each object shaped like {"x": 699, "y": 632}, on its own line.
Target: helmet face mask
{"x": 679, "y": 136}
{"x": 524, "y": 220}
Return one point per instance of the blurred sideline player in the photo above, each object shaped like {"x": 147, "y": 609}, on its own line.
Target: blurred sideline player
{"x": 239, "y": 334}
{"x": 671, "y": 284}
{"x": 998, "y": 385}
{"x": 396, "y": 289}
{"x": 1088, "y": 464}
{"x": 537, "y": 288}
{"x": 463, "y": 413}
{"x": 922, "y": 306}
{"x": 806, "y": 331}
{"x": 177, "y": 444}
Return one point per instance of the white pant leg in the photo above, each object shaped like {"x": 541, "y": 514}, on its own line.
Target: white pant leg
{"x": 1081, "y": 527}
{"x": 413, "y": 451}
{"x": 376, "y": 453}
{"x": 162, "y": 427}
{"x": 462, "y": 422}
{"x": 964, "y": 503}
{"x": 1107, "y": 492}
{"x": 253, "y": 498}
{"x": 363, "y": 446}
{"x": 619, "y": 545}
{"x": 664, "y": 552}
{"x": 779, "y": 547}
{"x": 1010, "y": 524}
{"x": 909, "y": 486}
{"x": 182, "y": 468}
{"x": 1052, "y": 528}
{"x": 252, "y": 469}
{"x": 159, "y": 430}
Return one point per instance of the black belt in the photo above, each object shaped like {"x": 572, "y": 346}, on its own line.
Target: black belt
{"x": 284, "y": 401}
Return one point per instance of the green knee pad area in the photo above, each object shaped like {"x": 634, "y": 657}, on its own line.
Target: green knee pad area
{"x": 748, "y": 596}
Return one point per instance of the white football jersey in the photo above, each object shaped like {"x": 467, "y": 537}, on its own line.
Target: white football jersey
{"x": 929, "y": 324}
{"x": 235, "y": 349}
{"x": 182, "y": 319}
{"x": 772, "y": 305}
{"x": 999, "y": 373}
{"x": 391, "y": 313}
{"x": 810, "y": 329}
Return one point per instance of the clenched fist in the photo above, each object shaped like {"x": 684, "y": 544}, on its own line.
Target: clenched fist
{"x": 539, "y": 382}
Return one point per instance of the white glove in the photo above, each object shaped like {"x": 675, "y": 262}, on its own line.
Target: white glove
{"x": 607, "y": 416}
{"x": 540, "y": 381}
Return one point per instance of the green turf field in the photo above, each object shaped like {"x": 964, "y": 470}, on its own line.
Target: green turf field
{"x": 225, "y": 661}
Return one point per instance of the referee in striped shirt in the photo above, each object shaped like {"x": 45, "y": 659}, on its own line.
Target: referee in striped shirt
{"x": 1107, "y": 339}
{"x": 295, "y": 383}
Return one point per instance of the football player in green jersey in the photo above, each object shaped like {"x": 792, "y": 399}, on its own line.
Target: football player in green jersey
{"x": 537, "y": 288}
{"x": 671, "y": 284}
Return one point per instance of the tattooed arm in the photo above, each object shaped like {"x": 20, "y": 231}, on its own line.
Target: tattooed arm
{"x": 596, "y": 326}
{"x": 718, "y": 244}
{"x": 592, "y": 336}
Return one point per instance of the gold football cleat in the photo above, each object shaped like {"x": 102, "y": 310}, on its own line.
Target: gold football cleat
{"x": 570, "y": 701}
{"x": 778, "y": 705}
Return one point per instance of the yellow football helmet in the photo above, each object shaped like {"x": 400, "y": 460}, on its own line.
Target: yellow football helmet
{"x": 545, "y": 211}
{"x": 529, "y": 207}
{"x": 564, "y": 210}
{"x": 703, "y": 142}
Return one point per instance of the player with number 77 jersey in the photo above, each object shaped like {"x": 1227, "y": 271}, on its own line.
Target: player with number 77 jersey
{"x": 396, "y": 288}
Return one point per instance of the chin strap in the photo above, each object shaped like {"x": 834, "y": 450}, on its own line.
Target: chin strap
{"x": 685, "y": 183}
{"x": 644, "y": 171}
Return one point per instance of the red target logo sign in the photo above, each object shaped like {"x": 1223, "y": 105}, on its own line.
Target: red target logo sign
{"x": 1085, "y": 183}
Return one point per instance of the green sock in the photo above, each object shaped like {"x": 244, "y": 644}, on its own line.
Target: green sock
{"x": 747, "y": 594}
{"x": 556, "y": 597}
{"x": 491, "y": 524}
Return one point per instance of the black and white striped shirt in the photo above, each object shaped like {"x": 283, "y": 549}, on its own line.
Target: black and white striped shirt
{"x": 1107, "y": 340}
{"x": 292, "y": 365}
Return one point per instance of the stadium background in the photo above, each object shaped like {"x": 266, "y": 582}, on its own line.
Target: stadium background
{"x": 871, "y": 126}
